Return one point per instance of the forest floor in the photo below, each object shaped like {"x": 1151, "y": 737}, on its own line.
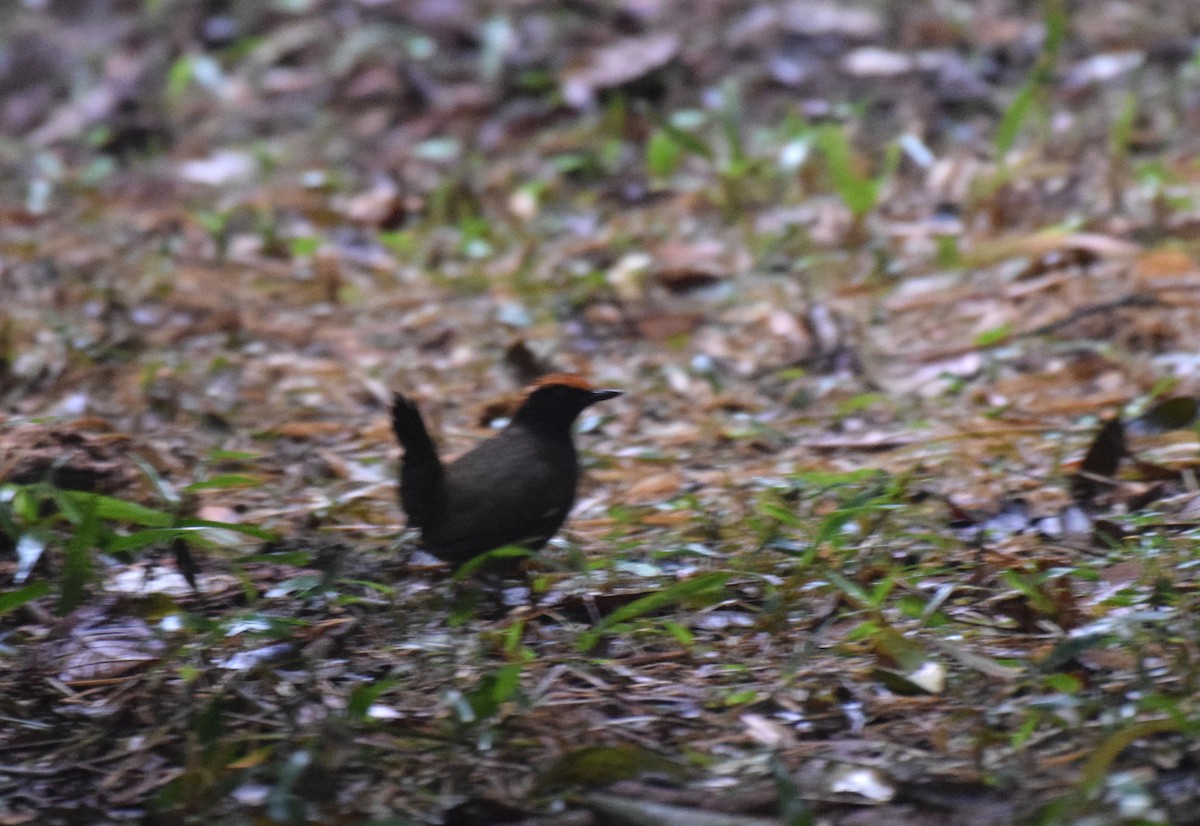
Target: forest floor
{"x": 895, "y": 523}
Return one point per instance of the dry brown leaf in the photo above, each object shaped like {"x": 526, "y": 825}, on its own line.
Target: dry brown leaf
{"x": 690, "y": 266}
{"x": 615, "y": 64}
{"x": 1165, "y": 268}
{"x": 655, "y": 488}
{"x": 663, "y": 326}
{"x": 305, "y": 430}
{"x": 667, "y": 518}
{"x": 1096, "y": 245}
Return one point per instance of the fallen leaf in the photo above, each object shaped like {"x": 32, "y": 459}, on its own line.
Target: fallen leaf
{"x": 615, "y": 64}
{"x": 654, "y": 488}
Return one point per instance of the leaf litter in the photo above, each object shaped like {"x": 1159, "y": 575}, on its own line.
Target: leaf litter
{"x": 896, "y": 515}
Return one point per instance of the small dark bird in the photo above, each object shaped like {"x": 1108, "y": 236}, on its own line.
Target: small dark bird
{"x": 515, "y": 488}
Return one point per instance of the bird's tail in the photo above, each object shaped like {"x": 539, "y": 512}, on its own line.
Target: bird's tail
{"x": 420, "y": 469}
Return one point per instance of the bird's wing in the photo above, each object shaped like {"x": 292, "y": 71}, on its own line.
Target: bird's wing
{"x": 498, "y": 495}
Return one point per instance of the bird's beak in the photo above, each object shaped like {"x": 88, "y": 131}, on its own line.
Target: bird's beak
{"x": 601, "y": 395}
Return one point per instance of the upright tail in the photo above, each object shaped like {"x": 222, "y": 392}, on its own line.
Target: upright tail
{"x": 420, "y": 469}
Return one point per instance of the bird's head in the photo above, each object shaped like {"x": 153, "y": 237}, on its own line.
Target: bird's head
{"x": 557, "y": 399}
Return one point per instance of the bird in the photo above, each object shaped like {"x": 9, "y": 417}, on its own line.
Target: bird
{"x": 515, "y": 488}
